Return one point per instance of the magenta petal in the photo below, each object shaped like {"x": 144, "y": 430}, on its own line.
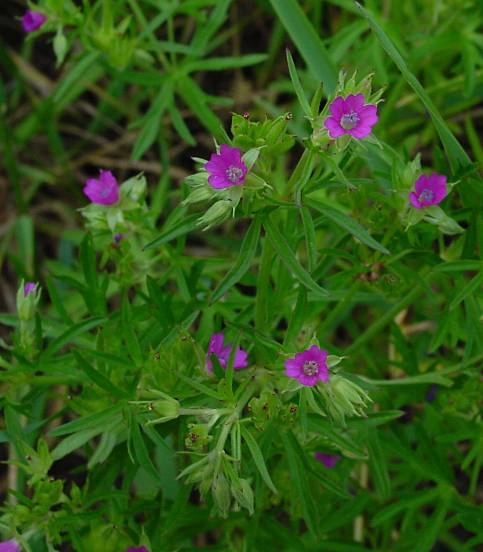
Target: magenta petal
{"x": 421, "y": 184}
{"x": 216, "y": 343}
{"x": 31, "y": 21}
{"x": 368, "y": 114}
{"x": 310, "y": 381}
{"x": 241, "y": 359}
{"x": 103, "y": 190}
{"x": 354, "y": 102}
{"x": 232, "y": 156}
{"x": 9, "y": 546}
{"x": 292, "y": 368}
{"x": 360, "y": 131}
{"x": 323, "y": 374}
{"x": 218, "y": 182}
{"x": 138, "y": 549}
{"x": 314, "y": 350}
{"x": 337, "y": 107}
{"x": 438, "y": 182}
{"x": 28, "y": 288}
{"x": 413, "y": 198}
{"x": 322, "y": 356}
{"x": 329, "y": 460}
{"x": 216, "y": 165}
{"x": 334, "y": 128}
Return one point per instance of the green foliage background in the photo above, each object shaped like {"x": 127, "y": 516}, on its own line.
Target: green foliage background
{"x": 143, "y": 85}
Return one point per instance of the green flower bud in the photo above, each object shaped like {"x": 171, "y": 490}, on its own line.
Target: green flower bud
{"x": 220, "y": 491}
{"x": 28, "y": 296}
{"x": 134, "y": 188}
{"x": 243, "y": 494}
{"x": 168, "y": 409}
{"x": 344, "y": 398}
{"x": 264, "y": 408}
{"x": 198, "y": 195}
{"x": 216, "y": 214}
{"x": 197, "y": 179}
{"x": 352, "y": 398}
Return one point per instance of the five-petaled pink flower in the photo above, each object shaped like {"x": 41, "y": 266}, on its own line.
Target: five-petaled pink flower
{"x": 139, "y": 549}
{"x": 9, "y": 546}
{"x": 223, "y": 353}
{"x": 308, "y": 367}
{"x": 28, "y": 288}
{"x": 103, "y": 190}
{"x": 429, "y": 190}
{"x": 226, "y": 168}
{"x": 329, "y": 460}
{"x": 351, "y": 116}
{"x": 31, "y": 21}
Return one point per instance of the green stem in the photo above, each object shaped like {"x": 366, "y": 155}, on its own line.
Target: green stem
{"x": 263, "y": 286}
{"x": 334, "y": 313}
{"x": 389, "y": 315}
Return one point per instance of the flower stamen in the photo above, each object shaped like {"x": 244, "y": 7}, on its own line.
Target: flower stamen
{"x": 426, "y": 195}
{"x": 349, "y": 120}
{"x": 311, "y": 368}
{"x": 234, "y": 173}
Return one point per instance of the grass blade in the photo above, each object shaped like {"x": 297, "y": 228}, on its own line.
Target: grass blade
{"x": 298, "y": 86}
{"x": 282, "y": 248}
{"x": 197, "y": 101}
{"x": 349, "y": 224}
{"x": 455, "y": 152}
{"x": 307, "y": 41}
{"x": 258, "y": 458}
{"x": 184, "y": 226}
{"x": 243, "y": 262}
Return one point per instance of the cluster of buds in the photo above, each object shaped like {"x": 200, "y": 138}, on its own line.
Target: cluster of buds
{"x": 264, "y": 408}
{"x": 344, "y": 398}
{"x": 197, "y": 436}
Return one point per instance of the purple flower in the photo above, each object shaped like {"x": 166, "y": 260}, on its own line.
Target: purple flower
{"x": 118, "y": 237}
{"x": 308, "y": 367}
{"x": 139, "y": 549}
{"x": 351, "y": 116}
{"x": 103, "y": 190}
{"x": 31, "y": 21}
{"x": 429, "y": 190}
{"x": 226, "y": 168}
{"x": 9, "y": 546}
{"x": 27, "y": 289}
{"x": 329, "y": 460}
{"x": 223, "y": 353}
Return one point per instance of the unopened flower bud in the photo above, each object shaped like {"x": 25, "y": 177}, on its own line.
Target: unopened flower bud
{"x": 198, "y": 195}
{"x": 243, "y": 494}
{"x": 168, "y": 409}
{"x": 28, "y": 296}
{"x": 220, "y": 491}
{"x": 348, "y": 396}
{"x": 216, "y": 214}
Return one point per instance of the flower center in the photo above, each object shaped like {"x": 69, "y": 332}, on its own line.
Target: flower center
{"x": 349, "y": 120}
{"x": 311, "y": 368}
{"x": 426, "y": 195}
{"x": 233, "y": 173}
{"x": 105, "y": 191}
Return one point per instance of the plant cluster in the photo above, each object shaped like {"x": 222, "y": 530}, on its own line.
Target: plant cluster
{"x": 283, "y": 352}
